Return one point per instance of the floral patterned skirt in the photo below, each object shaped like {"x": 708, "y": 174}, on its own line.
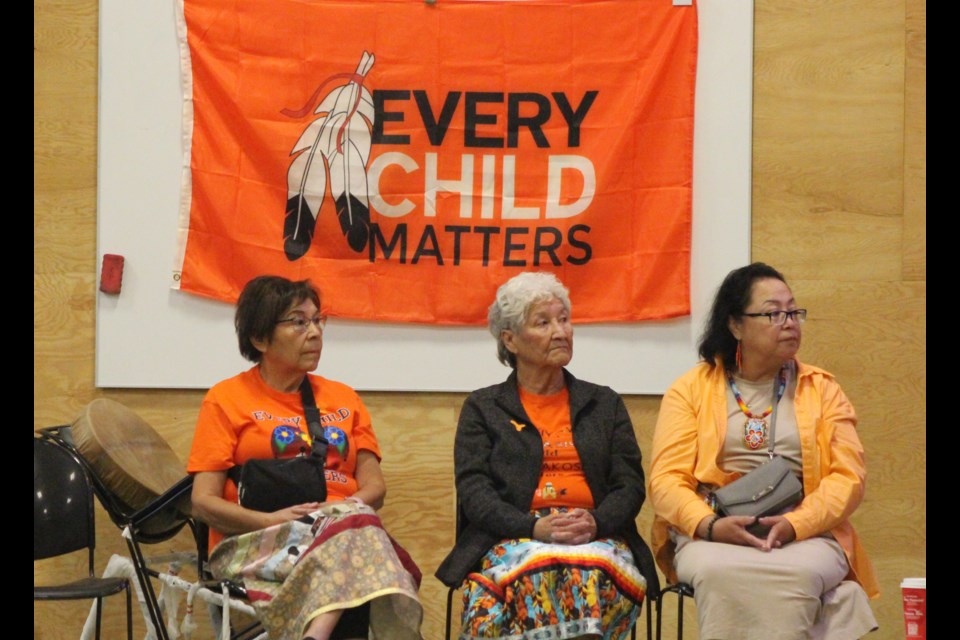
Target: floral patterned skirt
{"x": 532, "y": 590}
{"x": 295, "y": 571}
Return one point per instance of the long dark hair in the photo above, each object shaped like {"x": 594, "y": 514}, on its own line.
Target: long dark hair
{"x": 731, "y": 300}
{"x": 262, "y": 301}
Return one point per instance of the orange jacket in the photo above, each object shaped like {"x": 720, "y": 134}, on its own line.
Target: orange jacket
{"x": 689, "y": 436}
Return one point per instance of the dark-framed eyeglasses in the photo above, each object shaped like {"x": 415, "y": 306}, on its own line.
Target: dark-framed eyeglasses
{"x": 300, "y": 323}
{"x": 780, "y": 317}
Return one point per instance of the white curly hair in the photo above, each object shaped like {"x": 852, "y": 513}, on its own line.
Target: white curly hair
{"x": 514, "y": 299}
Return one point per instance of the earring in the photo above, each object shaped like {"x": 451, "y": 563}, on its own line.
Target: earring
{"x": 739, "y": 362}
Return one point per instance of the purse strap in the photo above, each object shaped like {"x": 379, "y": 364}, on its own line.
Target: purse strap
{"x": 312, "y": 414}
{"x": 319, "y": 443}
{"x": 777, "y": 396}
{"x": 773, "y": 417}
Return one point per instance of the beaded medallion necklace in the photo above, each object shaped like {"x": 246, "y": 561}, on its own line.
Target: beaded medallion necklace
{"x": 755, "y": 428}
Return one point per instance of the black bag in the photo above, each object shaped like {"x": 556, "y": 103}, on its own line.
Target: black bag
{"x": 272, "y": 484}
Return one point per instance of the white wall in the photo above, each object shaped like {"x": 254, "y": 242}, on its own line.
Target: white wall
{"x": 153, "y": 336}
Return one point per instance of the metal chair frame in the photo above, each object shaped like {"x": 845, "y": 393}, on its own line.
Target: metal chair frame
{"x": 683, "y": 590}
{"x": 73, "y": 533}
{"x": 160, "y": 520}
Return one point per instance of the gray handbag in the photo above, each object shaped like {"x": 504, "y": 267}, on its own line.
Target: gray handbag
{"x": 765, "y": 491}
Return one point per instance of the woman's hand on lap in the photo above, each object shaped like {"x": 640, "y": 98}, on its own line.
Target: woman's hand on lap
{"x": 732, "y": 530}
{"x": 781, "y": 532}
{"x": 573, "y": 527}
{"x": 295, "y": 512}
{"x": 578, "y": 527}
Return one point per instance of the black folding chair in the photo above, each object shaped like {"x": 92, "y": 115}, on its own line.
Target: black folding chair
{"x": 160, "y": 520}
{"x": 64, "y": 522}
{"x": 461, "y": 524}
{"x": 683, "y": 590}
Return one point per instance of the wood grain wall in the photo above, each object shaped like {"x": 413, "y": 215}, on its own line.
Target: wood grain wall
{"x": 839, "y": 205}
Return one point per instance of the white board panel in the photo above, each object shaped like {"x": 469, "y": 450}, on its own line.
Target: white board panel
{"x": 150, "y": 336}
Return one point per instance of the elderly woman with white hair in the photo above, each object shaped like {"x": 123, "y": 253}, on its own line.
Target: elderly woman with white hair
{"x": 549, "y": 481}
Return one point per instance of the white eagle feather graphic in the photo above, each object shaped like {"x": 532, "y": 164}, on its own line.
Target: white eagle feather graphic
{"x": 332, "y": 151}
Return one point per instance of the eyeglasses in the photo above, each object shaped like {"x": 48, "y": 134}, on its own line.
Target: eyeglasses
{"x": 780, "y": 317}
{"x": 300, "y": 323}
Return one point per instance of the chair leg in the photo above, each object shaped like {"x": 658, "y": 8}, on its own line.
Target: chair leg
{"x": 99, "y": 610}
{"x": 149, "y": 595}
{"x": 449, "y": 611}
{"x": 129, "y": 613}
{"x": 660, "y": 615}
{"x": 647, "y": 602}
{"x": 682, "y": 590}
{"x": 680, "y": 616}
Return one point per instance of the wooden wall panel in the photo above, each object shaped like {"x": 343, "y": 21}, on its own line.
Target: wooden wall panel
{"x": 416, "y": 438}
{"x": 915, "y": 144}
{"x": 881, "y": 366}
{"x": 839, "y": 205}
{"x": 828, "y": 138}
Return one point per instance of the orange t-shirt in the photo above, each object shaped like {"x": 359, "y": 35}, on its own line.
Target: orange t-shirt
{"x": 562, "y": 483}
{"x": 243, "y": 418}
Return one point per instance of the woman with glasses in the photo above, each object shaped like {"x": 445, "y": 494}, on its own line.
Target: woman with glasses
{"x": 315, "y": 570}
{"x": 798, "y": 574}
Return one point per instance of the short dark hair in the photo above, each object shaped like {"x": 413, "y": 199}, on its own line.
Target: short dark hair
{"x": 731, "y": 301}
{"x": 262, "y": 302}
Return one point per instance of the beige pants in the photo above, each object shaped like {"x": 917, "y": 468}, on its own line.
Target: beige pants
{"x": 797, "y": 592}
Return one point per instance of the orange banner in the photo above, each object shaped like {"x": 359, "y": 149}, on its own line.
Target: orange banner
{"x": 409, "y": 157}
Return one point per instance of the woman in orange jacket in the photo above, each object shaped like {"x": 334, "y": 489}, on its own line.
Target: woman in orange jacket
{"x": 798, "y": 574}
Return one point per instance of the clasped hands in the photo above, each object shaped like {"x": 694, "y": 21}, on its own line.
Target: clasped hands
{"x": 575, "y": 526}
{"x": 733, "y": 530}
{"x": 297, "y": 512}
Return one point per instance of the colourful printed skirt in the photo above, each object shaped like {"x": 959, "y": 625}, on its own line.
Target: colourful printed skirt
{"x": 532, "y": 590}
{"x": 295, "y": 571}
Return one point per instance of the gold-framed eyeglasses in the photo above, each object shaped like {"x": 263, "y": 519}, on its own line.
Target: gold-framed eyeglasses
{"x": 780, "y": 317}
{"x": 300, "y": 323}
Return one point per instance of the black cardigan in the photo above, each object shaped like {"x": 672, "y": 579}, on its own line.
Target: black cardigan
{"x": 497, "y": 471}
